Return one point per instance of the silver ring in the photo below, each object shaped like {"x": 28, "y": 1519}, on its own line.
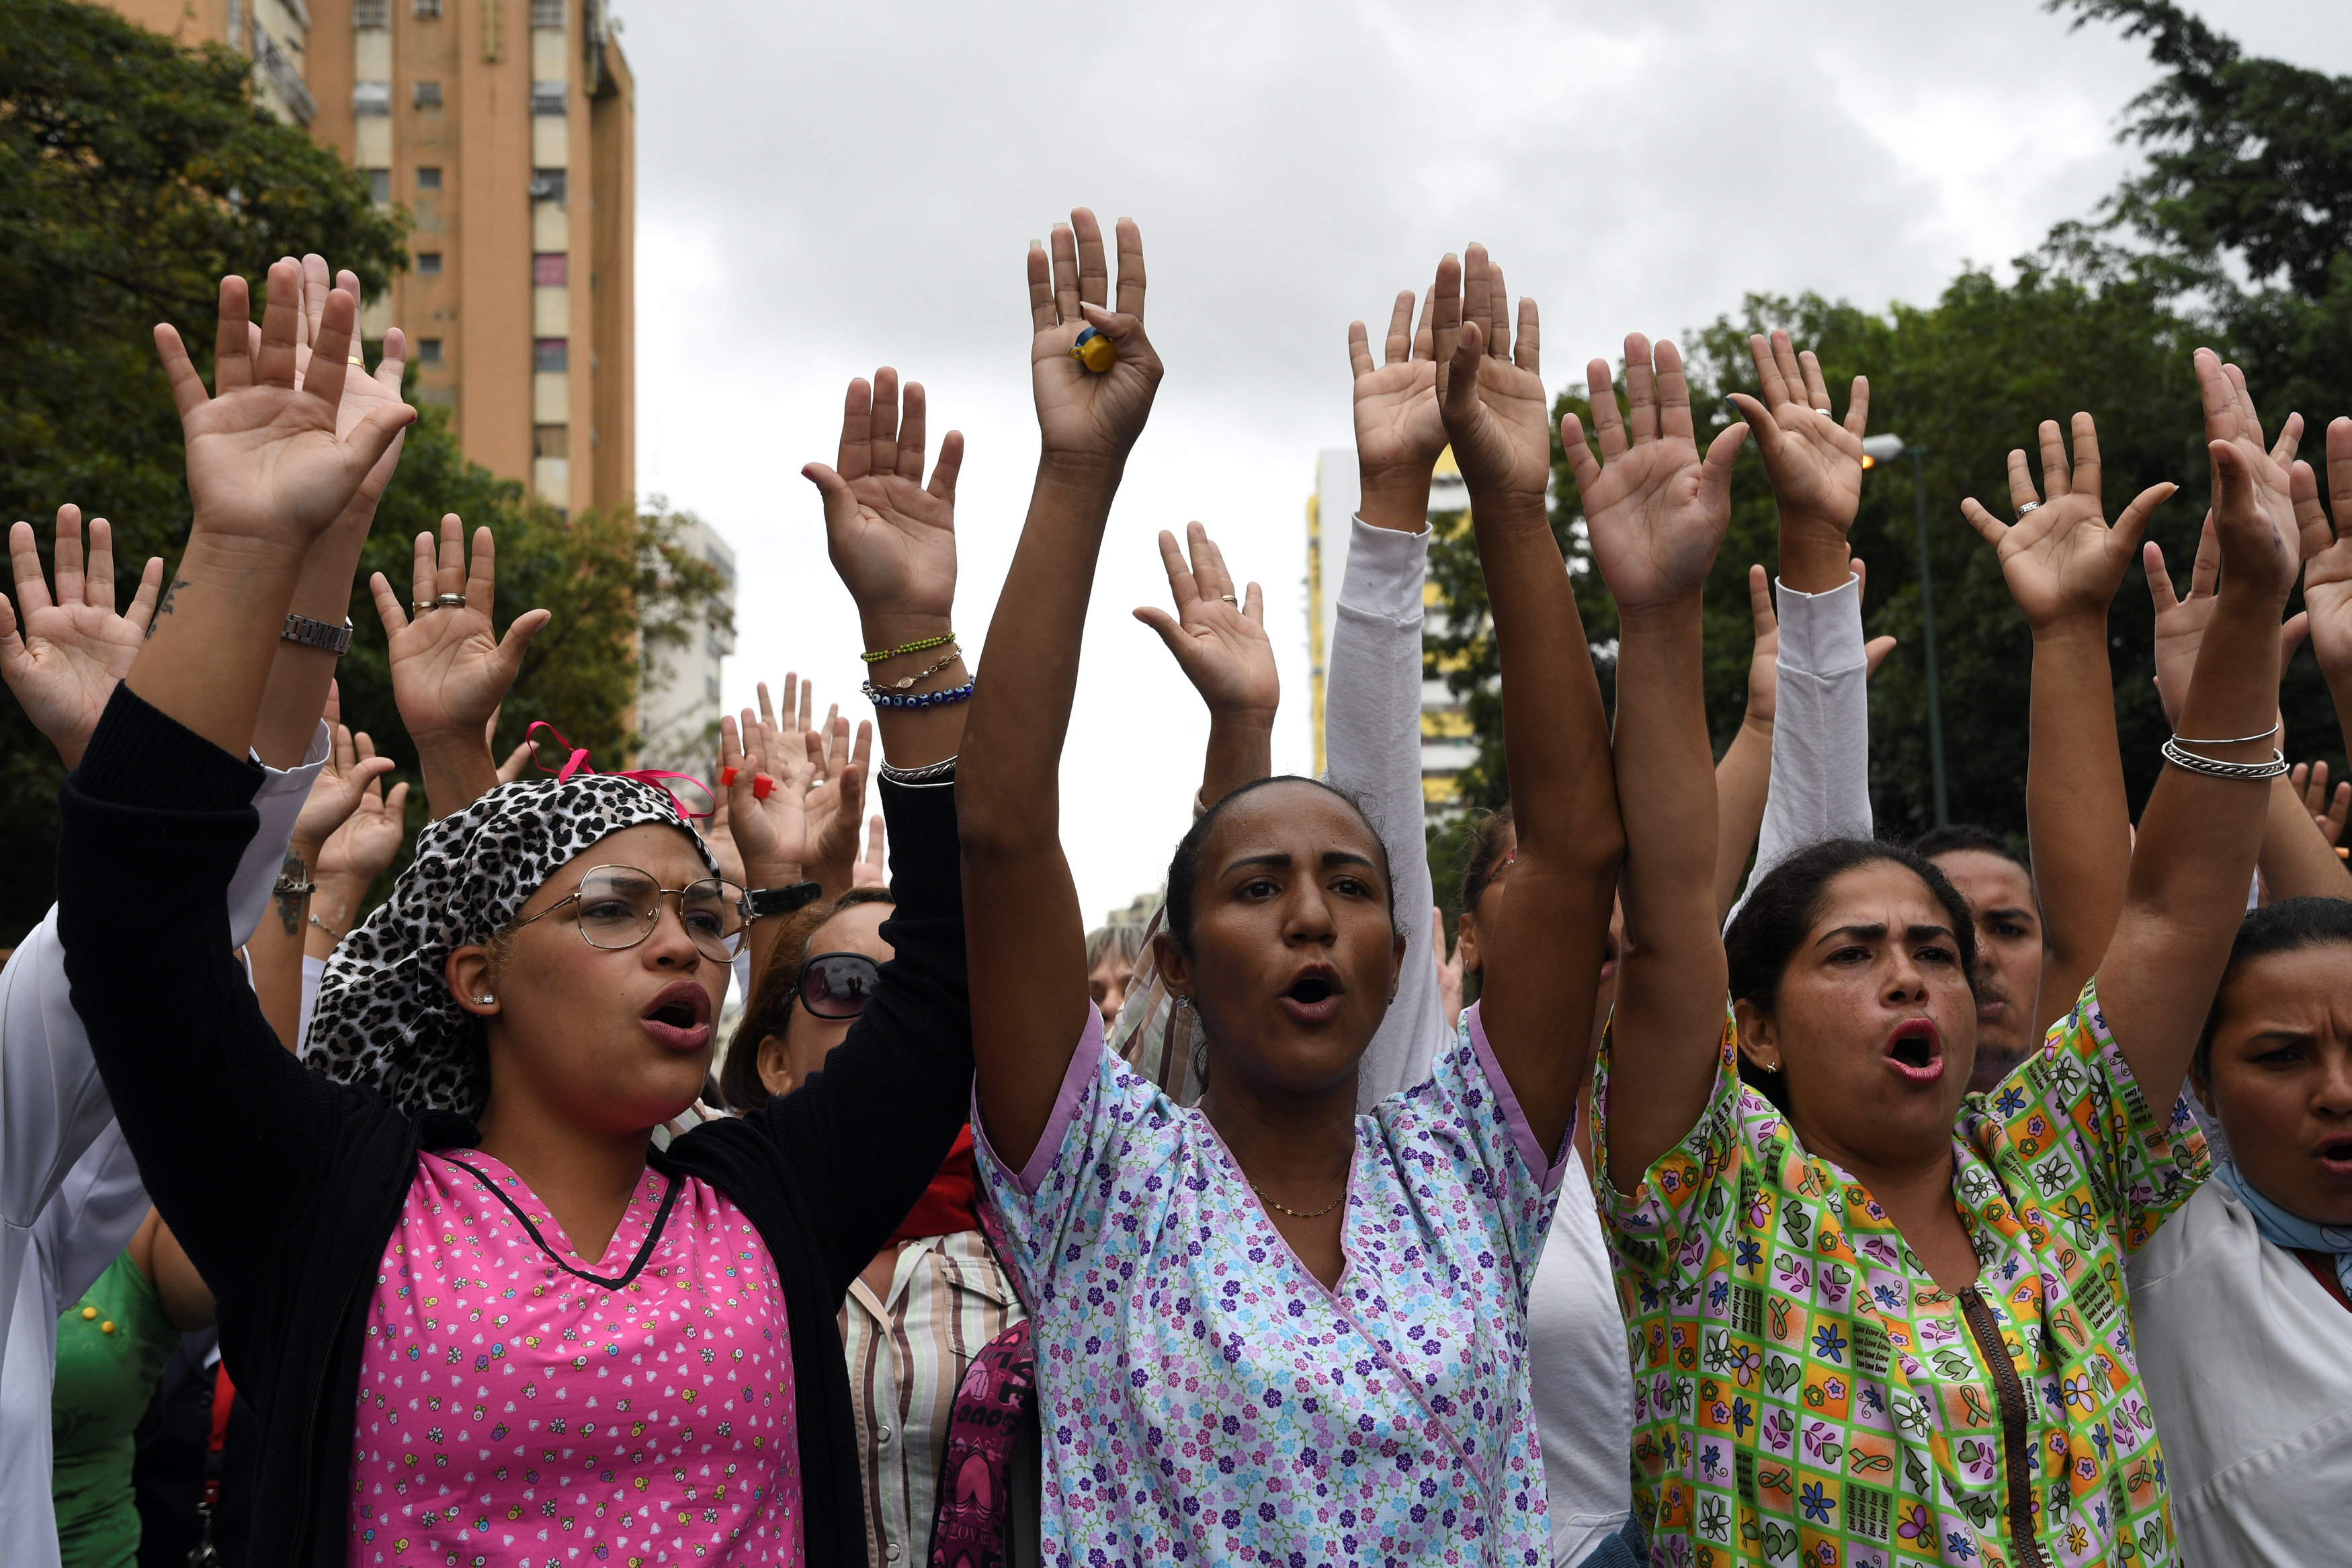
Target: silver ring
{"x": 448, "y": 601}
{"x": 1230, "y": 600}
{"x": 2029, "y": 506}
{"x": 1826, "y": 413}
{"x": 418, "y": 606}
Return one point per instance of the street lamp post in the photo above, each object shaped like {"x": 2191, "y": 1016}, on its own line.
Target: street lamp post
{"x": 1877, "y": 449}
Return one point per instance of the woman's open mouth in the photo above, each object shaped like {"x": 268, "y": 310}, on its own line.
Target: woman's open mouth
{"x": 679, "y": 1018}
{"x": 1314, "y": 997}
{"x": 1915, "y": 1052}
{"x": 2335, "y": 1157}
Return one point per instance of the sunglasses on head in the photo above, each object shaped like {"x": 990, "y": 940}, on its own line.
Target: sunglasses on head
{"x": 837, "y": 985}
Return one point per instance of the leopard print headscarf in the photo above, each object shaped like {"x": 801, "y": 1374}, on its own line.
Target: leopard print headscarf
{"x": 386, "y": 1017}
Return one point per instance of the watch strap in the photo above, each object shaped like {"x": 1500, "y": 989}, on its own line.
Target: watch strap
{"x": 767, "y": 901}
{"x": 312, "y": 634}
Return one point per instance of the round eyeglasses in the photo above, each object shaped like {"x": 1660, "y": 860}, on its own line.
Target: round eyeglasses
{"x": 837, "y": 985}
{"x": 619, "y": 906}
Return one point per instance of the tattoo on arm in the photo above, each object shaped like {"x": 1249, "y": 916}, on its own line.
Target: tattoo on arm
{"x": 290, "y": 902}
{"x": 163, "y": 605}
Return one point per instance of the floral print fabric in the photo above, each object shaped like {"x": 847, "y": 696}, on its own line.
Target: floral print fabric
{"x": 1204, "y": 1398}
{"x": 1805, "y": 1393}
{"x": 520, "y": 1407}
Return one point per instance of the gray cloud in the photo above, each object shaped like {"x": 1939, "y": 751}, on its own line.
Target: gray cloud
{"x": 825, "y": 189}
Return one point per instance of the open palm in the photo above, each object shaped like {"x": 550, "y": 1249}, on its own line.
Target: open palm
{"x": 63, "y": 656}
{"x": 2253, "y": 504}
{"x": 1814, "y": 461}
{"x": 1399, "y": 427}
{"x": 891, "y": 538}
{"x": 1656, "y": 510}
{"x": 450, "y": 670}
{"x": 265, "y": 459}
{"x": 1217, "y": 635}
{"x": 2060, "y": 558}
{"x": 1491, "y": 393}
{"x": 1080, "y": 414}
{"x": 2327, "y": 556}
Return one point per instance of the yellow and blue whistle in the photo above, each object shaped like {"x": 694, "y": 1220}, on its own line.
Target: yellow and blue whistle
{"x": 1094, "y": 351}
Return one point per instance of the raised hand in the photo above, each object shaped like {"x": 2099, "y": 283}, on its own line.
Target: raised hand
{"x": 2181, "y": 620}
{"x": 1088, "y": 419}
{"x": 1218, "y": 637}
{"x": 2328, "y": 559}
{"x": 1491, "y": 393}
{"x": 2060, "y": 560}
{"x": 1655, "y": 508}
{"x": 266, "y": 460}
{"x": 450, "y": 670}
{"x": 336, "y": 795}
{"x": 872, "y": 868}
{"x": 891, "y": 538}
{"x": 2311, "y": 783}
{"x": 769, "y": 834}
{"x": 1399, "y": 430}
{"x": 835, "y": 801}
{"x": 62, "y": 657}
{"x": 2253, "y": 504}
{"x": 1814, "y": 461}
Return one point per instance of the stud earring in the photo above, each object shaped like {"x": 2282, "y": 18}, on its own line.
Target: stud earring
{"x": 486, "y": 1001}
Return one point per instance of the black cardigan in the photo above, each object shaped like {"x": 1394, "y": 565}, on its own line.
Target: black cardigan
{"x": 285, "y": 1187}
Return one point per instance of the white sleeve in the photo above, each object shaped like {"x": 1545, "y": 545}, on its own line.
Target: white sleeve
{"x": 1821, "y": 733}
{"x": 313, "y": 971}
{"x": 1372, "y": 747}
{"x": 279, "y": 802}
{"x": 97, "y": 1211}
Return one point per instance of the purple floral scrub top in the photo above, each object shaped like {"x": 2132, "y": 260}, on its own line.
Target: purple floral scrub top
{"x": 520, "y": 1407}
{"x": 1205, "y": 1399}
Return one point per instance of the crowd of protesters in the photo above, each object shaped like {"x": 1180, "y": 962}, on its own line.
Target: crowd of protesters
{"x": 1782, "y": 1193}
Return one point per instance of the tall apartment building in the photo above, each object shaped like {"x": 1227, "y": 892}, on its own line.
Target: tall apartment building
{"x": 1446, "y": 747}
{"x": 274, "y": 34}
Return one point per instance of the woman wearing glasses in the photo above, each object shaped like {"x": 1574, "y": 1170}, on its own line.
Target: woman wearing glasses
{"x": 935, "y": 1295}
{"x": 482, "y": 1323}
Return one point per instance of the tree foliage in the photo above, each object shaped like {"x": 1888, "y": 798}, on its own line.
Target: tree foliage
{"x": 133, "y": 175}
{"x": 2251, "y": 161}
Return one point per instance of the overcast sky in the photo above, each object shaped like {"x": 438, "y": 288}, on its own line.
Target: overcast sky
{"x": 825, "y": 189}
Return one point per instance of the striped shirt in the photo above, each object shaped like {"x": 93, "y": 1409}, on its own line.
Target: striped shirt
{"x": 949, "y": 1297}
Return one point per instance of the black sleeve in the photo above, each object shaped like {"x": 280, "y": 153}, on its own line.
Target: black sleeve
{"x": 864, "y": 1136}
{"x": 229, "y": 1130}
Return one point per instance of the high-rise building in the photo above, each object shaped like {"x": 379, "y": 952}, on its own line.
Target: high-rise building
{"x": 274, "y": 34}
{"x": 678, "y": 710}
{"x": 1446, "y": 747}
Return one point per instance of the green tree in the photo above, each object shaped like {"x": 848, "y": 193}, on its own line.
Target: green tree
{"x": 133, "y": 175}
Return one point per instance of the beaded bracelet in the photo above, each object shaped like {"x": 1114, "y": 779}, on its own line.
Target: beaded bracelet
{"x": 876, "y": 656}
{"x": 881, "y": 698}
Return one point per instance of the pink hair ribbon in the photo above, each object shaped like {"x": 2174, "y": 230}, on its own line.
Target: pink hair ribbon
{"x": 576, "y": 761}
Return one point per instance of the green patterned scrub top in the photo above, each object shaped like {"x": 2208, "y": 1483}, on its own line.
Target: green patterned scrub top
{"x": 1804, "y": 1392}
{"x": 112, "y": 1347}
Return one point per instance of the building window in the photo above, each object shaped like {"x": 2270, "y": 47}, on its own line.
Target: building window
{"x": 428, "y": 10}
{"x": 551, "y": 354}
{"x": 428, "y": 179}
{"x": 546, "y": 14}
{"x": 548, "y": 97}
{"x": 371, "y": 98}
{"x": 547, "y": 184}
{"x": 371, "y": 12}
{"x": 428, "y": 95}
{"x": 428, "y": 350}
{"x": 428, "y": 263}
{"x": 550, "y": 440}
{"x": 710, "y": 688}
{"x": 379, "y": 186}
{"x": 548, "y": 269}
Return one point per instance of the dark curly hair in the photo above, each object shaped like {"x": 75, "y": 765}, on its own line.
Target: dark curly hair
{"x": 1782, "y": 906}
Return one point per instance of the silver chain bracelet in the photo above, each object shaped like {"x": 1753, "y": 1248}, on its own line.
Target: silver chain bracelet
{"x": 2274, "y": 769}
{"x": 931, "y": 775}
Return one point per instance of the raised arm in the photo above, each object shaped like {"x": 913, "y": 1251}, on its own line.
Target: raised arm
{"x": 1027, "y": 940}
{"x": 1657, "y": 512}
{"x": 2063, "y": 564}
{"x": 1544, "y": 958}
{"x": 2200, "y": 834}
{"x": 1218, "y": 637}
{"x": 2327, "y": 597}
{"x": 1371, "y": 692}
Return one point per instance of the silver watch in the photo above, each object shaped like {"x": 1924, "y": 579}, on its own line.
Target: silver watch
{"x": 336, "y": 640}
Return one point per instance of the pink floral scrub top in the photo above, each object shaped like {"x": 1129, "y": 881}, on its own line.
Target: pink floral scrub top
{"x": 520, "y": 1407}
{"x": 1205, "y": 1399}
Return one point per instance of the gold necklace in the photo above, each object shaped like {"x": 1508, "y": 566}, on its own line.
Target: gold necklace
{"x": 1298, "y": 1213}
